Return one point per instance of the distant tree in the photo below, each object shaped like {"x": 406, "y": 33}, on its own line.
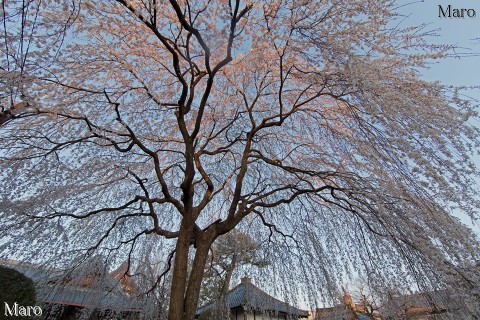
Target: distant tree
{"x": 229, "y": 253}
{"x": 166, "y": 124}
{"x": 368, "y": 299}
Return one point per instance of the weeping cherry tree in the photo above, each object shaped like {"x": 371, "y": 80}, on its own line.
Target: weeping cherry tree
{"x": 146, "y": 129}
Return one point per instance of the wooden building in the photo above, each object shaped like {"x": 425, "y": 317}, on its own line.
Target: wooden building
{"x": 248, "y": 302}
{"x": 89, "y": 292}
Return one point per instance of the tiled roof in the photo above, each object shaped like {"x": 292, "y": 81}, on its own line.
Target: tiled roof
{"x": 249, "y": 297}
{"x": 77, "y": 288}
{"x": 85, "y": 297}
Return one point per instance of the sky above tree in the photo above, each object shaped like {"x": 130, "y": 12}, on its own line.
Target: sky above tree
{"x": 460, "y": 32}
{"x": 462, "y": 68}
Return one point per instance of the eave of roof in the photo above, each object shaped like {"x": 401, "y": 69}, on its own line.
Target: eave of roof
{"x": 84, "y": 297}
{"x": 105, "y": 295}
{"x": 249, "y": 297}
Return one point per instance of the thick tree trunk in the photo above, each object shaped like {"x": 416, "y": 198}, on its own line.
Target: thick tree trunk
{"x": 195, "y": 279}
{"x": 184, "y": 297}
{"x": 180, "y": 273}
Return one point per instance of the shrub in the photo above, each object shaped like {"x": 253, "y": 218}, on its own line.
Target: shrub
{"x": 15, "y": 287}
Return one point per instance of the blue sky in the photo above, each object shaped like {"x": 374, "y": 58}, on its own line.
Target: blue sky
{"x": 464, "y": 33}
{"x": 460, "y": 70}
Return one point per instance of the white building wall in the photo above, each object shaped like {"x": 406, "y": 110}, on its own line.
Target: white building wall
{"x": 241, "y": 315}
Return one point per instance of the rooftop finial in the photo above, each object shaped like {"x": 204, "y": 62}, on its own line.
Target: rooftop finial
{"x": 246, "y": 279}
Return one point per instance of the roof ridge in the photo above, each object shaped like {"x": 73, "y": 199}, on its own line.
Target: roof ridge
{"x": 253, "y": 297}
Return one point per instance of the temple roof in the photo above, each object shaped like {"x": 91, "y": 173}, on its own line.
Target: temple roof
{"x": 250, "y": 297}
{"x": 91, "y": 286}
